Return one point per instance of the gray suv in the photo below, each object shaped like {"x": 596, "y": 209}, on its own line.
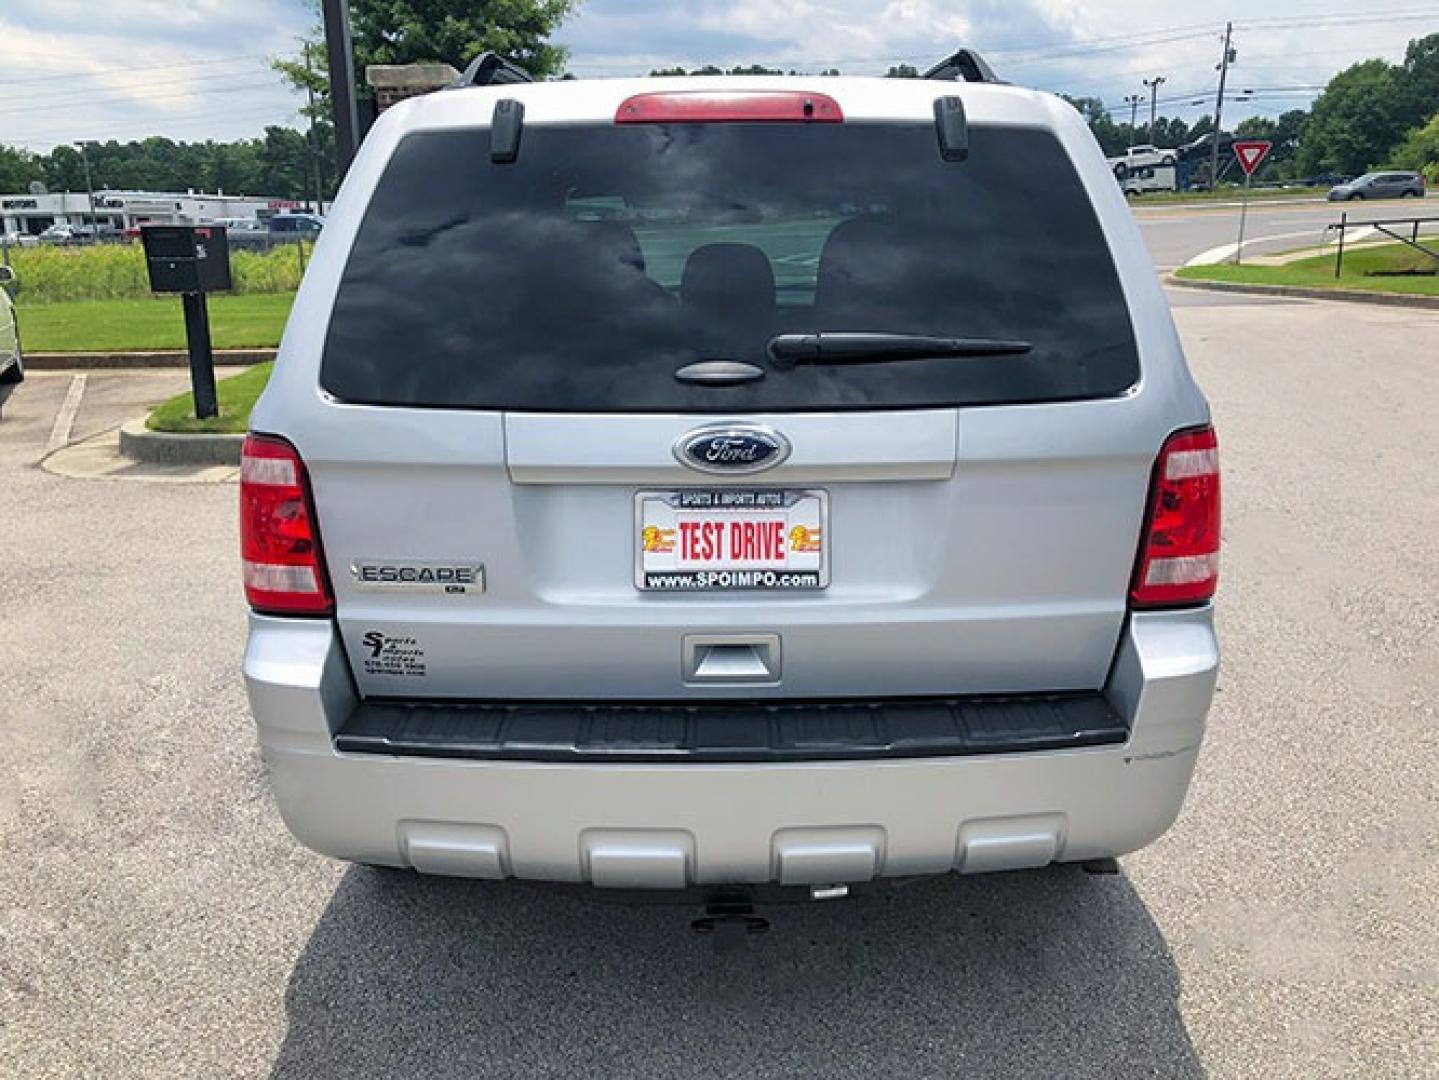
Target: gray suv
{"x": 1380, "y": 185}
{"x": 723, "y": 482}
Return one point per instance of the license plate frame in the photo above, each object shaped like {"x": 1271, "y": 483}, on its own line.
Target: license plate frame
{"x": 728, "y": 504}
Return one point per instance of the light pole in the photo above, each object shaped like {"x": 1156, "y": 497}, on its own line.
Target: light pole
{"x": 1153, "y": 87}
{"x": 341, "y": 56}
{"x": 1133, "y": 100}
{"x": 89, "y": 187}
{"x": 1225, "y": 60}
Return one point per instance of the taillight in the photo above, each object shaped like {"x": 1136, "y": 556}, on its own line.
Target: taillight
{"x": 719, "y": 106}
{"x": 279, "y": 545}
{"x": 1179, "y": 552}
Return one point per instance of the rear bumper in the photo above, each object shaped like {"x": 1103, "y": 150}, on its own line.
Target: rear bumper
{"x": 641, "y": 824}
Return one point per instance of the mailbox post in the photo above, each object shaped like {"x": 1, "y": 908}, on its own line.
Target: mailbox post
{"x": 191, "y": 260}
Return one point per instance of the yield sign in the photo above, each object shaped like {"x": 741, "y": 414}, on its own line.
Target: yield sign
{"x": 1250, "y": 153}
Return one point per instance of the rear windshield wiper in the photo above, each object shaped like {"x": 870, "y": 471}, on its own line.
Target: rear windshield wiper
{"x": 788, "y": 350}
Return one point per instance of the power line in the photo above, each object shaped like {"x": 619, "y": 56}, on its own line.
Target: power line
{"x": 186, "y": 120}
{"x": 126, "y": 98}
{"x": 71, "y": 75}
{"x": 73, "y": 93}
{"x": 1339, "y": 19}
{"x": 1083, "y": 50}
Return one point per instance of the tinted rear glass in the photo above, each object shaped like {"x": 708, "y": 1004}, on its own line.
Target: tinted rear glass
{"x": 581, "y": 277}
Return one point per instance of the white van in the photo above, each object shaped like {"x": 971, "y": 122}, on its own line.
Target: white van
{"x": 1149, "y": 178}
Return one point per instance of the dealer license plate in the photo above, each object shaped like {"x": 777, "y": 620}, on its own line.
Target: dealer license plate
{"x": 723, "y": 539}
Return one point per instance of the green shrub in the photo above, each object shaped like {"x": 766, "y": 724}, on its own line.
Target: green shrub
{"x": 48, "y": 275}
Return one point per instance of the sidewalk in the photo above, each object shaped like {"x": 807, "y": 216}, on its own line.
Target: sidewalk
{"x": 99, "y": 458}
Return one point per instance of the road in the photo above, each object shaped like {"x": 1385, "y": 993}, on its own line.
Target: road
{"x": 1177, "y": 233}
{"x": 156, "y": 919}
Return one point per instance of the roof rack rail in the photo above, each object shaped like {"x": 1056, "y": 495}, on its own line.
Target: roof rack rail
{"x": 490, "y": 69}
{"x": 964, "y": 66}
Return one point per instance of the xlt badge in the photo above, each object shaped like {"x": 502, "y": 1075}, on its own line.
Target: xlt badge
{"x": 451, "y": 578}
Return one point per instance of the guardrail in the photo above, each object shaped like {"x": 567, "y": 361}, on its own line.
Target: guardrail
{"x": 1382, "y": 225}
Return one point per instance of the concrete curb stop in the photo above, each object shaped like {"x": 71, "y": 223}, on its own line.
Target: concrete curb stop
{"x": 169, "y": 358}
{"x": 1302, "y": 292}
{"x": 166, "y": 448}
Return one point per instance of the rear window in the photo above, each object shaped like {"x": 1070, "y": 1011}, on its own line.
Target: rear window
{"x": 607, "y": 257}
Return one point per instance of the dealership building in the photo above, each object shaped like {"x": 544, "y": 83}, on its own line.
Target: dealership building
{"x": 33, "y": 214}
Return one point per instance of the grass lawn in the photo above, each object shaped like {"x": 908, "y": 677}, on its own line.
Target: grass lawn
{"x": 1225, "y": 194}
{"x": 1318, "y": 272}
{"x": 237, "y": 397}
{"x": 253, "y": 320}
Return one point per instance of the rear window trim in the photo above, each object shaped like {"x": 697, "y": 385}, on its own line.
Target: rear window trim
{"x": 920, "y": 117}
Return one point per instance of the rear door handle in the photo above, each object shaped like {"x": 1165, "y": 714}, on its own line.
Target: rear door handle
{"x": 731, "y": 658}
{"x": 719, "y": 373}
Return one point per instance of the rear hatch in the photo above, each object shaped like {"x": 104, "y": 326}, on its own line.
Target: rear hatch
{"x": 574, "y": 449}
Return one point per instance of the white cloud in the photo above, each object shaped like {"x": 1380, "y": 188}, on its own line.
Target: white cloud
{"x": 131, "y": 68}
{"x": 1100, "y": 49}
{"x": 194, "y": 69}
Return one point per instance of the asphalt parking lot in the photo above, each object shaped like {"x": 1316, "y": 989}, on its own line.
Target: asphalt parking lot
{"x": 157, "y": 920}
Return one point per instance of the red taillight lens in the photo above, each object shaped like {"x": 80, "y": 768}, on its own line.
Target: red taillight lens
{"x": 279, "y": 546}
{"x": 717, "y": 106}
{"x": 1179, "y": 553}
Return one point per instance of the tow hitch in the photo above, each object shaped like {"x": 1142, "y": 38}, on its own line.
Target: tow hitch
{"x": 731, "y": 920}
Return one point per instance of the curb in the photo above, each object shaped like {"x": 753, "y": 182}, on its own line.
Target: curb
{"x": 165, "y": 448}
{"x": 53, "y": 361}
{"x": 1301, "y": 292}
{"x": 1138, "y": 203}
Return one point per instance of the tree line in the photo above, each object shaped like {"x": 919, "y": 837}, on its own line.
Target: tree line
{"x": 281, "y": 163}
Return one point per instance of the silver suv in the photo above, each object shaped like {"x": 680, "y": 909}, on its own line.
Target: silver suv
{"x": 730, "y": 481}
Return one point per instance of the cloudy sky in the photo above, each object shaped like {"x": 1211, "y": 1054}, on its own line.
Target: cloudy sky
{"x": 197, "y": 69}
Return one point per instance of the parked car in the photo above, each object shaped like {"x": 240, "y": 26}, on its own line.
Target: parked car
{"x": 276, "y": 229}
{"x": 12, "y": 364}
{"x": 19, "y": 239}
{"x": 60, "y": 233}
{"x": 1137, "y": 158}
{"x": 296, "y": 223}
{"x": 1380, "y": 185}
{"x": 687, "y": 555}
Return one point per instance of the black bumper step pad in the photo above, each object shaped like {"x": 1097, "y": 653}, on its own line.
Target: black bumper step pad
{"x": 756, "y": 731}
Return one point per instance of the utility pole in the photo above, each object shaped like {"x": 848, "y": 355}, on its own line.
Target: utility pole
{"x": 340, "y": 53}
{"x": 1132, "y": 100}
{"x": 310, "y": 135}
{"x": 1224, "y": 62}
{"x": 89, "y": 187}
{"x": 1153, "y": 85}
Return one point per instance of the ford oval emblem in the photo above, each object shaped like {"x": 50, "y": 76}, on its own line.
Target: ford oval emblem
{"x": 732, "y": 448}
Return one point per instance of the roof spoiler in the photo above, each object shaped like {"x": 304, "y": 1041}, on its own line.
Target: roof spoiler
{"x": 490, "y": 69}
{"x": 964, "y": 66}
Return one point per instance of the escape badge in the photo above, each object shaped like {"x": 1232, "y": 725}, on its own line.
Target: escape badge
{"x": 445, "y": 578}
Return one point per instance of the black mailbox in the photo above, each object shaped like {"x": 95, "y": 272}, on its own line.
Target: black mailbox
{"x": 187, "y": 258}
